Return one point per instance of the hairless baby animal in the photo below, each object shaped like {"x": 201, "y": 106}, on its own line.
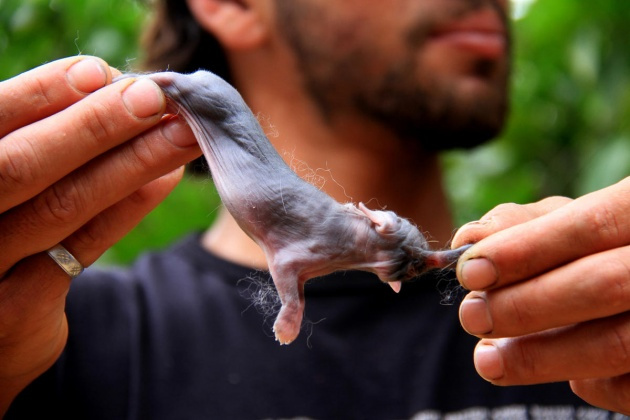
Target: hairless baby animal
{"x": 303, "y": 232}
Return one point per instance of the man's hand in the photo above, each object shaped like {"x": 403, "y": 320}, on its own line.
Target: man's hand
{"x": 550, "y": 294}
{"x": 82, "y": 160}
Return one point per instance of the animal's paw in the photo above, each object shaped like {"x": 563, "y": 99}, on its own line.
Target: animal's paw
{"x": 287, "y": 325}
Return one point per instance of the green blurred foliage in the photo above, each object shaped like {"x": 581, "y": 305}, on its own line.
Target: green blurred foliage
{"x": 568, "y": 133}
{"x": 36, "y": 31}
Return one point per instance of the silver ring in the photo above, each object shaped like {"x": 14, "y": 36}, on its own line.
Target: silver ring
{"x": 65, "y": 260}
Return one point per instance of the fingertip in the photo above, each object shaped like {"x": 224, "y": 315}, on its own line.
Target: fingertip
{"x": 176, "y": 174}
{"x": 87, "y": 74}
{"x": 475, "y": 316}
{"x": 171, "y": 179}
{"x": 488, "y": 361}
{"x": 475, "y": 273}
{"x": 143, "y": 98}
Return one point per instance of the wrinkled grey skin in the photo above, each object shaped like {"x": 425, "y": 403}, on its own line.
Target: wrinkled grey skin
{"x": 303, "y": 232}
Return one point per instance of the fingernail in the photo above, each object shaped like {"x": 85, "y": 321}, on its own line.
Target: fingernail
{"x": 87, "y": 75}
{"x": 143, "y": 98}
{"x": 178, "y": 133}
{"x": 474, "y": 316}
{"x": 477, "y": 274}
{"x": 488, "y": 362}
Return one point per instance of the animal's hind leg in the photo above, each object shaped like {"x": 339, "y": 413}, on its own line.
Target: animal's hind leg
{"x": 291, "y": 291}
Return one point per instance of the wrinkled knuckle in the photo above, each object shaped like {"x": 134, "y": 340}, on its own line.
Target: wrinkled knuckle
{"x": 89, "y": 237}
{"x": 617, "y": 348}
{"x": 521, "y": 315}
{"x": 16, "y": 171}
{"x": 142, "y": 196}
{"x": 39, "y": 95}
{"x": 605, "y": 224}
{"x": 59, "y": 205}
{"x": 98, "y": 123}
{"x": 142, "y": 153}
{"x": 527, "y": 364}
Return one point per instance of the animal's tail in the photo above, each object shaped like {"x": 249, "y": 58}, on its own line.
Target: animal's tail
{"x": 444, "y": 259}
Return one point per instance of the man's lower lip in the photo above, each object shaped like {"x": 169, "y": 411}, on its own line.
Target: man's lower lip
{"x": 486, "y": 45}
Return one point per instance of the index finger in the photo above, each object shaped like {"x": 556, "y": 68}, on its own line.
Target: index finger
{"x": 589, "y": 224}
{"x": 45, "y": 90}
{"x": 504, "y": 216}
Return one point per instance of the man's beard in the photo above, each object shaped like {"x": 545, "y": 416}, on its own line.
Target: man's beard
{"x": 436, "y": 119}
{"x": 415, "y": 108}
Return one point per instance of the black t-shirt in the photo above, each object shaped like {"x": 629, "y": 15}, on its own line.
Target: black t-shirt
{"x": 180, "y": 335}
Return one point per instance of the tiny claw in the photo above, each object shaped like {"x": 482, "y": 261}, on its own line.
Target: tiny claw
{"x": 395, "y": 285}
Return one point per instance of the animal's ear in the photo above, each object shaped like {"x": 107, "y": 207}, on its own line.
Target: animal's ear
{"x": 385, "y": 221}
{"x": 237, "y": 24}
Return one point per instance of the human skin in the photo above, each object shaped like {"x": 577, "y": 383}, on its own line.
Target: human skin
{"x": 82, "y": 160}
{"x": 550, "y": 294}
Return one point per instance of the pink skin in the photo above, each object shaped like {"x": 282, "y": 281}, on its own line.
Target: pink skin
{"x": 303, "y": 231}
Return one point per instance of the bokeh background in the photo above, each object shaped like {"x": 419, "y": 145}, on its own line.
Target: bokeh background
{"x": 568, "y": 134}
